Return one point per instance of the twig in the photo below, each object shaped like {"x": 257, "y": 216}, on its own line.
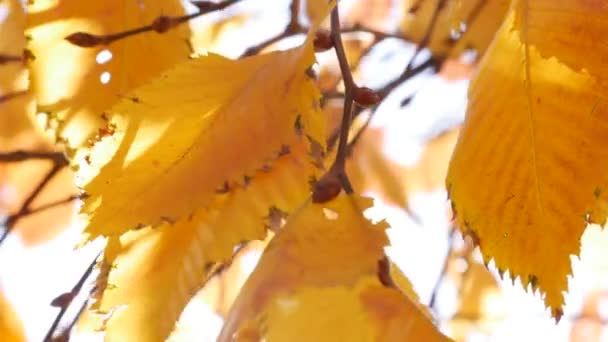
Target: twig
{"x": 10, "y": 96}
{"x": 335, "y": 179}
{"x": 50, "y": 205}
{"x": 288, "y": 32}
{"x": 293, "y": 27}
{"x": 378, "y": 37}
{"x": 161, "y": 24}
{"x": 444, "y": 267}
{"x": 19, "y": 156}
{"x": 386, "y": 90}
{"x": 428, "y": 33}
{"x": 25, "y": 209}
{"x": 4, "y": 59}
{"x": 406, "y": 75}
{"x": 65, "y": 304}
{"x": 349, "y": 87}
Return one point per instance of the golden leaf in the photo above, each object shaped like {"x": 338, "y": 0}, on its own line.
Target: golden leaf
{"x": 207, "y": 123}
{"x": 568, "y": 30}
{"x": 15, "y": 105}
{"x": 176, "y": 259}
{"x": 306, "y": 289}
{"x": 528, "y": 170}
{"x": 472, "y": 23}
{"x": 68, "y": 80}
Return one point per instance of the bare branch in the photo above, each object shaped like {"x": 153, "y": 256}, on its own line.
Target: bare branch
{"x": 19, "y": 156}
{"x": 330, "y": 184}
{"x": 64, "y": 300}
{"x": 5, "y": 59}
{"x": 292, "y": 28}
{"x": 59, "y": 162}
{"x": 428, "y": 33}
{"x": 161, "y": 24}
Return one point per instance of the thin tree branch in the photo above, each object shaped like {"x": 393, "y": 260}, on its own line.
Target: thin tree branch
{"x": 161, "y": 24}
{"x": 65, "y": 299}
{"x": 444, "y": 267}
{"x": 51, "y": 205}
{"x": 292, "y": 28}
{"x": 349, "y": 87}
{"x": 25, "y": 209}
{"x": 335, "y": 179}
{"x": 428, "y": 33}
{"x": 407, "y": 74}
{"x": 386, "y": 90}
{"x": 20, "y": 155}
{"x": 378, "y": 35}
{"x": 5, "y": 59}
{"x": 10, "y": 96}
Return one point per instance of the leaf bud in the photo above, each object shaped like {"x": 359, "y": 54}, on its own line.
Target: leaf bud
{"x": 326, "y": 189}
{"x": 365, "y": 97}
{"x": 322, "y": 41}
{"x": 83, "y": 39}
{"x": 163, "y": 24}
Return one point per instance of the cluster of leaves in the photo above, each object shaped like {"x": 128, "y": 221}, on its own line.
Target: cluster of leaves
{"x": 181, "y": 160}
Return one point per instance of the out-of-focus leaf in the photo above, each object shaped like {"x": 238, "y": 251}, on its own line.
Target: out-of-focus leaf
{"x": 15, "y": 103}
{"x": 471, "y": 22}
{"x": 527, "y": 174}
{"x": 372, "y": 171}
{"x": 374, "y": 14}
{"x": 68, "y": 80}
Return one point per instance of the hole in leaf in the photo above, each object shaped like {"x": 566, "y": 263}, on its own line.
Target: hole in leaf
{"x": 103, "y": 57}
{"x": 105, "y": 77}
{"x": 330, "y": 214}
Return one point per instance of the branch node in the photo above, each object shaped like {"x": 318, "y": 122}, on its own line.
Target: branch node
{"x": 164, "y": 23}
{"x": 84, "y": 39}
{"x": 365, "y": 97}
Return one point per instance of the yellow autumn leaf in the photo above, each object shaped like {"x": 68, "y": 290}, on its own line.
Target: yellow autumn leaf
{"x": 568, "y": 30}
{"x": 11, "y": 329}
{"x": 207, "y": 123}
{"x": 15, "y": 105}
{"x": 528, "y": 171}
{"x": 306, "y": 289}
{"x": 177, "y": 258}
{"x": 472, "y": 23}
{"x": 74, "y": 85}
